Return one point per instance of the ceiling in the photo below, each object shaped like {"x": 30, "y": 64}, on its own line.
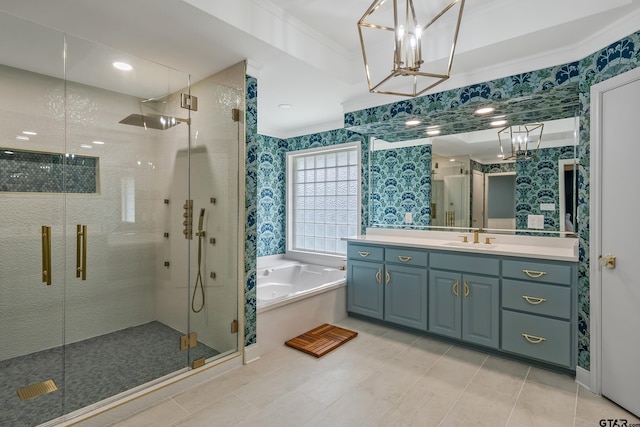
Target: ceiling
{"x": 306, "y": 53}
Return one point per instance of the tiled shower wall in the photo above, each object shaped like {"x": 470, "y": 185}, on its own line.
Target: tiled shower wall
{"x": 614, "y": 59}
{"x": 36, "y": 172}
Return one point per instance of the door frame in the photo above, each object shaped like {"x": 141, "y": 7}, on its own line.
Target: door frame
{"x": 595, "y": 224}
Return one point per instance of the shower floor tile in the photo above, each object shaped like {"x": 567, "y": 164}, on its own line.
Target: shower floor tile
{"x": 93, "y": 370}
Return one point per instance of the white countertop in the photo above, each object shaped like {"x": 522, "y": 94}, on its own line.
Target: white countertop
{"x": 551, "y": 248}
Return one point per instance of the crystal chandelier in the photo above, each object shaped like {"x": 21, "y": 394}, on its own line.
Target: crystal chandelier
{"x": 423, "y": 40}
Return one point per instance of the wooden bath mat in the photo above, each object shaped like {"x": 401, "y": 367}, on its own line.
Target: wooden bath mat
{"x": 321, "y": 340}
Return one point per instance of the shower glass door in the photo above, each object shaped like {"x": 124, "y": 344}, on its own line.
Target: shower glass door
{"x": 32, "y": 245}
{"x": 126, "y": 304}
{"x": 217, "y": 134}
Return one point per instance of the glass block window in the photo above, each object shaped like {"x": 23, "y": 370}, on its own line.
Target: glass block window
{"x": 323, "y": 198}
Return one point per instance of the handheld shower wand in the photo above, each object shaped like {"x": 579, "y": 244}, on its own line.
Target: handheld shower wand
{"x": 200, "y": 235}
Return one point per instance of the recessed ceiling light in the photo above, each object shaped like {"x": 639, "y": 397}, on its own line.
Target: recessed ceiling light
{"x": 29, "y": 132}
{"x": 498, "y": 123}
{"x": 452, "y": 160}
{"x": 85, "y": 146}
{"x": 412, "y": 122}
{"x": 433, "y": 132}
{"x": 484, "y": 110}
{"x": 22, "y": 137}
{"x": 98, "y": 142}
{"x": 501, "y": 155}
{"x": 122, "y": 66}
{"x": 284, "y": 106}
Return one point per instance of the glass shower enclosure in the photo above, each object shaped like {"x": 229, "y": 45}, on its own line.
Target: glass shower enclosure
{"x": 119, "y": 239}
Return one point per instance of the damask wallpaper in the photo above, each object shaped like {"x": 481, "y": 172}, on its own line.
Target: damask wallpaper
{"x": 537, "y": 182}
{"x": 400, "y": 184}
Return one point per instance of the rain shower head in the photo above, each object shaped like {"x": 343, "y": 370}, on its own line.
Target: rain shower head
{"x": 151, "y": 121}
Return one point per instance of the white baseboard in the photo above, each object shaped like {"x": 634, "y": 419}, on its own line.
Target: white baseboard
{"x": 251, "y": 353}
{"x": 583, "y": 377}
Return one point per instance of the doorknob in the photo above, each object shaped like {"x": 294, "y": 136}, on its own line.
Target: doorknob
{"x": 608, "y": 261}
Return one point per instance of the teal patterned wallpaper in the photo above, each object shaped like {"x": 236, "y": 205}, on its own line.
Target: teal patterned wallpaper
{"x": 608, "y": 62}
{"x": 251, "y": 201}
{"x": 401, "y": 183}
{"x": 537, "y": 182}
{"x": 493, "y": 167}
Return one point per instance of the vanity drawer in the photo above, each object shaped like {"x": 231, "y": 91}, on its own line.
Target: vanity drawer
{"x": 406, "y": 256}
{"x": 549, "y": 300}
{"x": 465, "y": 263}
{"x": 538, "y": 271}
{"x": 537, "y": 337}
{"x": 365, "y": 252}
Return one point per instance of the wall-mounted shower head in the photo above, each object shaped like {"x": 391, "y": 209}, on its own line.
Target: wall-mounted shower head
{"x": 151, "y": 121}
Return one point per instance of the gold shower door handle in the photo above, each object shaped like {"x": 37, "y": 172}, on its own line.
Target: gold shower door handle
{"x": 46, "y": 255}
{"x": 81, "y": 251}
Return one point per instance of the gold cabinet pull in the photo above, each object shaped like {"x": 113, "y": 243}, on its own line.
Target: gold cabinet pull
{"x": 466, "y": 289}
{"x": 387, "y": 277}
{"x": 455, "y": 289}
{"x": 533, "y": 300}
{"x": 379, "y": 276}
{"x": 533, "y": 339}
{"x": 81, "y": 251}
{"x": 404, "y": 258}
{"x": 534, "y": 274}
{"x": 364, "y": 254}
{"x": 46, "y": 255}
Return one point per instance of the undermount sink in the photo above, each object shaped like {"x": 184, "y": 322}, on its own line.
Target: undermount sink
{"x": 470, "y": 245}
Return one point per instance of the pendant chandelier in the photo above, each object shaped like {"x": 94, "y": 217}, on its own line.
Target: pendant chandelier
{"x": 520, "y": 142}
{"x": 410, "y": 49}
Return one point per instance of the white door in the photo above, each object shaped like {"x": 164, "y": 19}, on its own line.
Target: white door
{"x": 615, "y": 213}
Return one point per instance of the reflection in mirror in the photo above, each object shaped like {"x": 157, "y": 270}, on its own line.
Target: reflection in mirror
{"x": 414, "y": 138}
{"x": 460, "y": 180}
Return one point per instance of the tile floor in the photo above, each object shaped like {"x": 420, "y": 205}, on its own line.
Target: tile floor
{"x": 384, "y": 377}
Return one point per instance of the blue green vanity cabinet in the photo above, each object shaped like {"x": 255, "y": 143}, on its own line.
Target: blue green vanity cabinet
{"x": 388, "y": 284}
{"x": 464, "y": 297}
{"x": 522, "y": 306}
{"x": 539, "y": 310}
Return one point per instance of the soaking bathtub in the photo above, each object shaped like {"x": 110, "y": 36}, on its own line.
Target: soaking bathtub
{"x": 293, "y": 297}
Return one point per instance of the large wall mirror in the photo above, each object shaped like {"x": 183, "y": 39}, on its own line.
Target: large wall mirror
{"x": 444, "y": 170}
